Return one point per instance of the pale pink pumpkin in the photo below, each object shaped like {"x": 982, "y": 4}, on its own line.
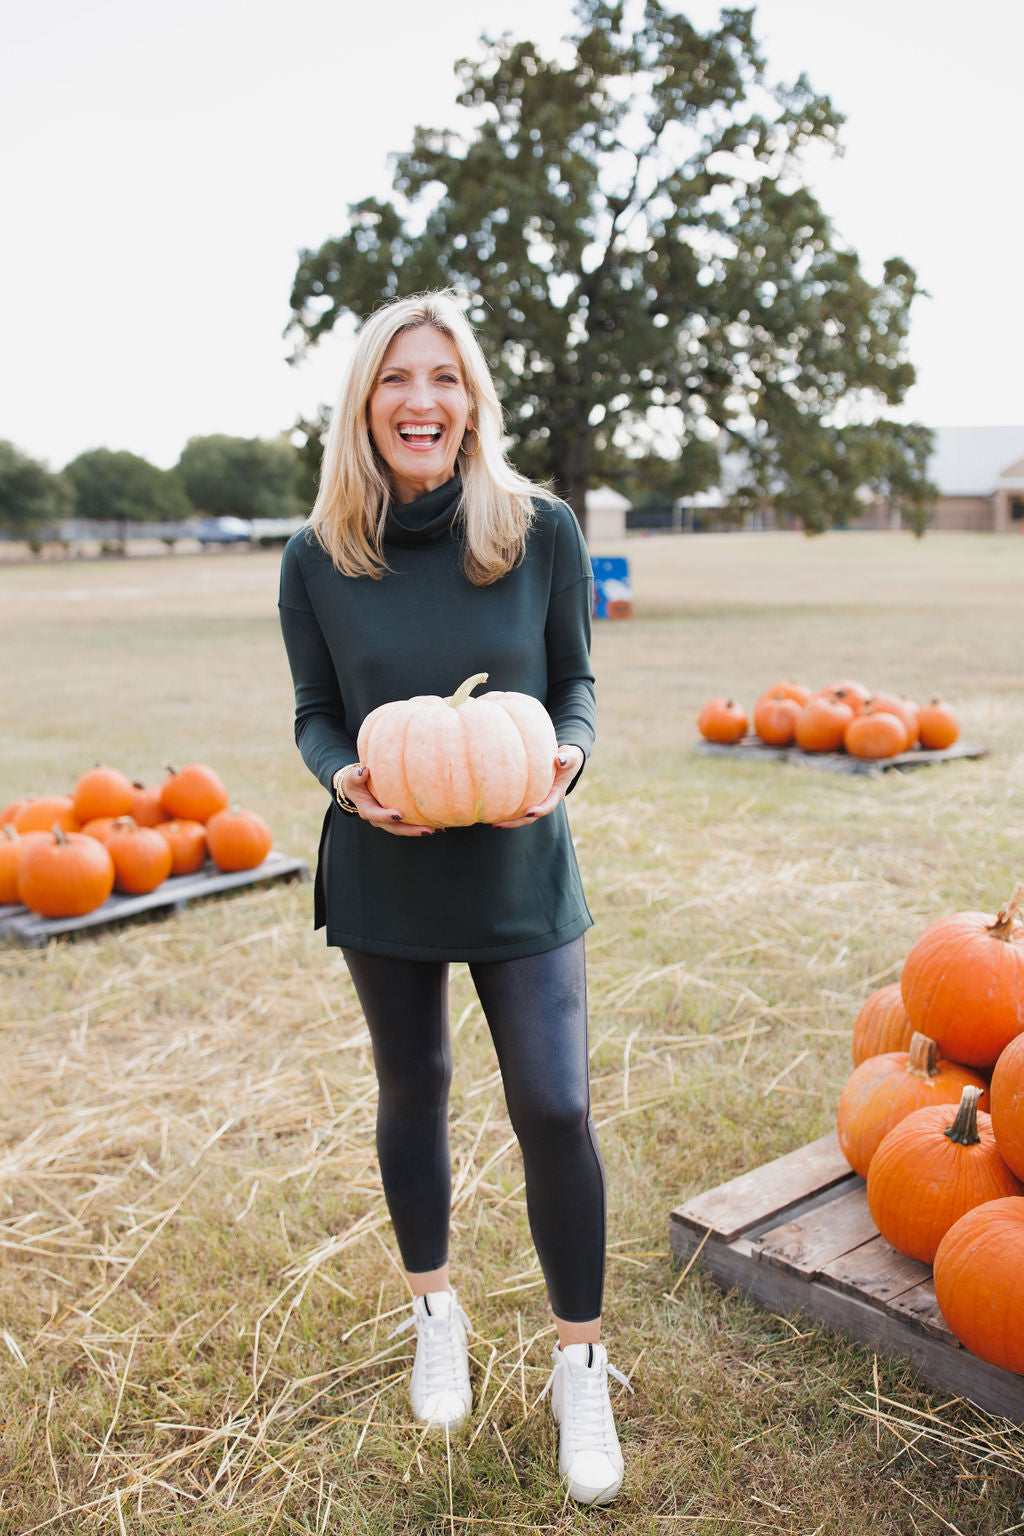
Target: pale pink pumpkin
{"x": 452, "y": 762}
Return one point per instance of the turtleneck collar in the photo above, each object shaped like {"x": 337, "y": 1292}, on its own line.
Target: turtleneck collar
{"x": 426, "y": 519}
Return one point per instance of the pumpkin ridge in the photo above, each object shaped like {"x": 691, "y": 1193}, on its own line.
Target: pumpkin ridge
{"x": 501, "y": 775}
{"x": 384, "y": 743}
{"x": 409, "y": 745}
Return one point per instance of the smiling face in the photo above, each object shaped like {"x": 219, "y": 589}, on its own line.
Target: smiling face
{"x": 419, "y": 411}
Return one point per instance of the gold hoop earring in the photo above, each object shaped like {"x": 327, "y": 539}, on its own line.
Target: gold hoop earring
{"x": 476, "y": 450}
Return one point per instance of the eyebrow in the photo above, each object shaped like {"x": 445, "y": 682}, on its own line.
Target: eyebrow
{"x": 451, "y": 367}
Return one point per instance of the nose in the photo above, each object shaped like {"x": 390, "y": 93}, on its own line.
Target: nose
{"x": 421, "y": 392}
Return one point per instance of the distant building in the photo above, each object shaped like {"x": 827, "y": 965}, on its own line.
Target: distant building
{"x": 980, "y": 475}
{"x": 606, "y": 514}
{"x": 979, "y": 472}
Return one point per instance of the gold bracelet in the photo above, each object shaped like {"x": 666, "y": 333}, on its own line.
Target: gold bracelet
{"x": 339, "y": 794}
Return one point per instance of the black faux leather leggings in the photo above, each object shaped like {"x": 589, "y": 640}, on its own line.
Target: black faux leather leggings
{"x": 536, "y": 1009}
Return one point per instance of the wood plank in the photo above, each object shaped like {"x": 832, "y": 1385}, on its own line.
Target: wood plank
{"x": 752, "y": 749}
{"x": 755, "y": 1198}
{"x": 809, "y": 1241}
{"x": 933, "y": 1359}
{"x": 171, "y": 896}
{"x": 875, "y": 1271}
{"x": 919, "y": 1308}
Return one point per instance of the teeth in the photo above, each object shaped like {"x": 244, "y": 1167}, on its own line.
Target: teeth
{"x": 433, "y": 431}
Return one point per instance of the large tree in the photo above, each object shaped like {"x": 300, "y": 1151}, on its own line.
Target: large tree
{"x": 241, "y": 476}
{"x": 31, "y": 498}
{"x": 643, "y": 263}
{"x": 119, "y": 487}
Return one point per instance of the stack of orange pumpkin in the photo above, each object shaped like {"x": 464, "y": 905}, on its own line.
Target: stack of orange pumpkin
{"x": 845, "y": 716}
{"x": 933, "y": 1118}
{"x": 63, "y": 855}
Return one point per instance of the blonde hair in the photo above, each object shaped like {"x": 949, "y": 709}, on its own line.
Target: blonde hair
{"x": 350, "y": 511}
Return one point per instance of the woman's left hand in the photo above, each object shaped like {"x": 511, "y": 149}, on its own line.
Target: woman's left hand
{"x": 568, "y": 762}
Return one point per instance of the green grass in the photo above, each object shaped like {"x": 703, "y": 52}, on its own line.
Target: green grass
{"x": 197, "y": 1278}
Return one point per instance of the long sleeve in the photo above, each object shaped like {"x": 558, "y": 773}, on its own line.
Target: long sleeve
{"x": 571, "y": 700}
{"x": 320, "y": 732}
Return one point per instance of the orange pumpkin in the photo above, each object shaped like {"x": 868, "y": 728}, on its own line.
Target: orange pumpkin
{"x": 905, "y": 710}
{"x": 938, "y": 725}
{"x": 12, "y": 845}
{"x": 1007, "y": 1092}
{"x": 979, "y": 1281}
{"x": 192, "y": 793}
{"x": 963, "y": 983}
{"x": 775, "y": 717}
{"x": 790, "y": 690}
{"x": 452, "y": 762}
{"x": 44, "y": 812}
{"x": 881, "y": 1025}
{"x": 721, "y": 720}
{"x": 64, "y": 874}
{"x": 142, "y": 858}
{"x": 883, "y": 1090}
{"x": 99, "y": 827}
{"x": 932, "y": 1168}
{"x": 238, "y": 839}
{"x": 874, "y": 734}
{"x": 821, "y": 723}
{"x": 12, "y": 808}
{"x": 145, "y": 809}
{"x": 851, "y": 692}
{"x": 99, "y": 792}
{"x": 187, "y": 842}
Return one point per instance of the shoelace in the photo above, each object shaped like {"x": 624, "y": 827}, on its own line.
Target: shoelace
{"x": 440, "y": 1349}
{"x": 592, "y": 1419}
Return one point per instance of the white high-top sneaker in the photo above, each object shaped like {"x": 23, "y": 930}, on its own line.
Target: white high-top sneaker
{"x": 589, "y": 1457}
{"x": 440, "y": 1390}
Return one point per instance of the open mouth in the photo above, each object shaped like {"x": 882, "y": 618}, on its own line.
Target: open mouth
{"x": 421, "y": 437}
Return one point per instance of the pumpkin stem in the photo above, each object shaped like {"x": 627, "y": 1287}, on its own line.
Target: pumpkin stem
{"x": 59, "y": 833}
{"x": 964, "y": 1130}
{"x": 924, "y": 1056}
{"x": 1002, "y": 928}
{"x": 464, "y": 690}
{"x": 123, "y": 824}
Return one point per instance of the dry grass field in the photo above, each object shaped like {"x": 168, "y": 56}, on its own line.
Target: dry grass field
{"x": 197, "y": 1278}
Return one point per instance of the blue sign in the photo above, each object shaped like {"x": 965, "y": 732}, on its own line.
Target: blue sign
{"x": 613, "y": 595}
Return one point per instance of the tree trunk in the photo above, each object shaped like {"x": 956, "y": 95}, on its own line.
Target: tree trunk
{"x": 575, "y": 493}
{"x": 571, "y": 459}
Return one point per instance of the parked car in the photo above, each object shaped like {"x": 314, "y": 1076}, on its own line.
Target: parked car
{"x": 223, "y": 530}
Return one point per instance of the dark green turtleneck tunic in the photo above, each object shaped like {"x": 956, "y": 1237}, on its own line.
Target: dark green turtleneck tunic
{"x": 468, "y": 893}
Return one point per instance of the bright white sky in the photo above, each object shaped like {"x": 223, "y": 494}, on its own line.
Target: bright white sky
{"x": 162, "y": 165}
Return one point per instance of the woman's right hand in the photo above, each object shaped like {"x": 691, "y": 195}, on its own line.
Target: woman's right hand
{"x": 355, "y": 786}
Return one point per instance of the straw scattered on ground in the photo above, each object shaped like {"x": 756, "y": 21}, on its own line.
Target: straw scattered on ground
{"x": 198, "y": 1282}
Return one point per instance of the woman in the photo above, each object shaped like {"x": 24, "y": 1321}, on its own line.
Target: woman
{"x": 427, "y": 558}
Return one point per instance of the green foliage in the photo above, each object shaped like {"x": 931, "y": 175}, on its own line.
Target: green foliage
{"x": 311, "y": 434}
{"x": 642, "y": 261}
{"x": 241, "y": 476}
{"x": 114, "y": 486}
{"x": 30, "y": 496}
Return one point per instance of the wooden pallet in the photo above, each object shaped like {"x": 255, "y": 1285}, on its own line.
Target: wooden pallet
{"x": 796, "y": 1235}
{"x": 172, "y": 896}
{"x": 753, "y": 749}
